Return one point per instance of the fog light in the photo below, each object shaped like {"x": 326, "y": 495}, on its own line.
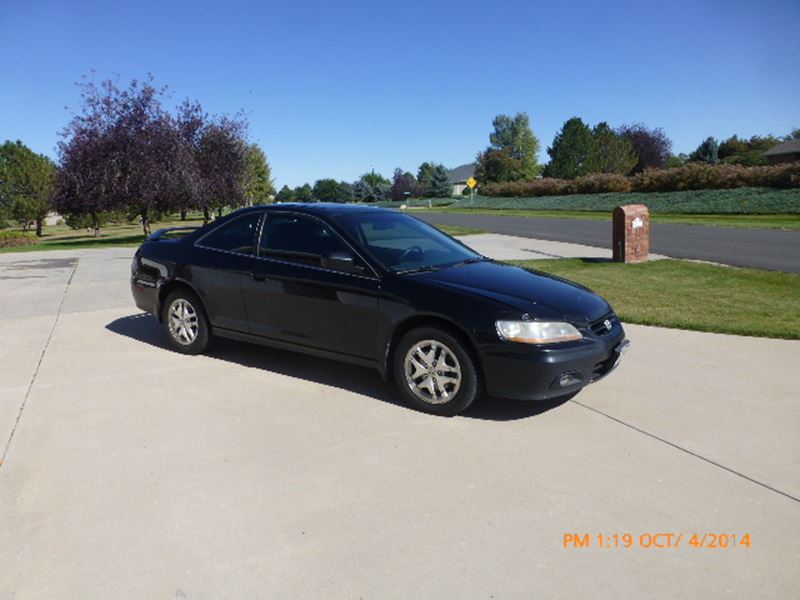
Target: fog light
{"x": 567, "y": 379}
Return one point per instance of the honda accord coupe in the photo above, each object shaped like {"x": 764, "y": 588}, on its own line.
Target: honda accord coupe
{"x": 382, "y": 289}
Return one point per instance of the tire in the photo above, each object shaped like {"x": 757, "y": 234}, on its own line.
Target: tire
{"x": 186, "y": 322}
{"x": 435, "y": 372}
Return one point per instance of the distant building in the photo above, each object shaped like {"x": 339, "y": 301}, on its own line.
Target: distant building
{"x": 783, "y": 153}
{"x": 458, "y": 177}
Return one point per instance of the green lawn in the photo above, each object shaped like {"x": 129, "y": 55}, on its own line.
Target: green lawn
{"x": 740, "y": 207}
{"x": 711, "y": 220}
{"x": 739, "y": 201}
{"x": 688, "y": 295}
{"x": 458, "y": 230}
{"x": 61, "y": 237}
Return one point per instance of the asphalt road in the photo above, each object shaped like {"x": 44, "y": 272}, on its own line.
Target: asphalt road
{"x": 772, "y": 249}
{"x": 132, "y": 471}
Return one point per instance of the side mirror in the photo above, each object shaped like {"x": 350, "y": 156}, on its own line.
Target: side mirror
{"x": 341, "y": 260}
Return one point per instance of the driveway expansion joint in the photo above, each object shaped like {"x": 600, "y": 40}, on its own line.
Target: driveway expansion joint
{"x": 39, "y": 363}
{"x": 687, "y": 451}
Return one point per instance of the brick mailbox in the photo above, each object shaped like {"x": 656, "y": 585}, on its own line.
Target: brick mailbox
{"x": 631, "y": 233}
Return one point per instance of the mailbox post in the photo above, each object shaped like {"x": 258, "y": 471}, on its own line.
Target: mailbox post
{"x": 631, "y": 233}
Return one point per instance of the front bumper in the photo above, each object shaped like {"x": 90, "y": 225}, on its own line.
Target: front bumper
{"x": 525, "y": 372}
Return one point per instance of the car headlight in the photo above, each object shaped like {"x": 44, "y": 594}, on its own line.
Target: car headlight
{"x": 537, "y": 332}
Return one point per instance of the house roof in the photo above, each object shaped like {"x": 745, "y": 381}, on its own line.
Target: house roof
{"x": 790, "y": 147}
{"x": 462, "y": 173}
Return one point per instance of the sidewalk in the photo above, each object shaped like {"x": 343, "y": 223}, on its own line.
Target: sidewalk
{"x": 509, "y": 247}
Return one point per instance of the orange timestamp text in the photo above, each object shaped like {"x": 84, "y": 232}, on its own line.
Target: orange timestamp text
{"x": 657, "y": 540}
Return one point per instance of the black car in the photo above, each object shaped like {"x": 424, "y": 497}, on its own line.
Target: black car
{"x": 378, "y": 288}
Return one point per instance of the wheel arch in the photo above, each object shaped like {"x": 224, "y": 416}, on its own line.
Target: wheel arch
{"x": 438, "y": 322}
{"x": 169, "y": 286}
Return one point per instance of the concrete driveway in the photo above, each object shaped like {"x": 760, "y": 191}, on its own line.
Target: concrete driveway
{"x": 131, "y": 471}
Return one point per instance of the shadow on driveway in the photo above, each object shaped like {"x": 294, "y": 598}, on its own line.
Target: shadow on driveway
{"x": 367, "y": 382}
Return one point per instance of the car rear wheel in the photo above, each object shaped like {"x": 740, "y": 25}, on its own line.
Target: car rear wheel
{"x": 435, "y": 372}
{"x": 186, "y": 322}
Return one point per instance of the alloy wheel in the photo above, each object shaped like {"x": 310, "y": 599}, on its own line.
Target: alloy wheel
{"x": 182, "y": 321}
{"x": 432, "y": 372}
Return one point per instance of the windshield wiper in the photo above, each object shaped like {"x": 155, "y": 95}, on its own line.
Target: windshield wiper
{"x": 469, "y": 261}
{"x": 419, "y": 269}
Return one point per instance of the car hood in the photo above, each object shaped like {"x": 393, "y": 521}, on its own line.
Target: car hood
{"x": 530, "y": 292}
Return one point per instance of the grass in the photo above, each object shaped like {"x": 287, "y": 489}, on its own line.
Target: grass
{"x": 687, "y": 295}
{"x": 741, "y": 207}
{"x": 61, "y": 237}
{"x": 458, "y": 230}
{"x": 735, "y": 201}
{"x": 778, "y": 221}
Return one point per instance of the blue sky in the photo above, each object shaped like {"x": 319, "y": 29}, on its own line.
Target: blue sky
{"x": 332, "y": 88}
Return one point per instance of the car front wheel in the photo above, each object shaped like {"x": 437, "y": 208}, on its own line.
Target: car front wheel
{"x": 186, "y": 322}
{"x": 434, "y": 372}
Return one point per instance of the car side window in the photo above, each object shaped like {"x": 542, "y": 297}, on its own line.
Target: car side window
{"x": 237, "y": 236}
{"x": 296, "y": 238}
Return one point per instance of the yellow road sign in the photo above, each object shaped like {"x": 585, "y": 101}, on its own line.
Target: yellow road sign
{"x": 472, "y": 182}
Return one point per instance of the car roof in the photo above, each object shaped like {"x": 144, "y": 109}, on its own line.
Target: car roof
{"x": 315, "y": 208}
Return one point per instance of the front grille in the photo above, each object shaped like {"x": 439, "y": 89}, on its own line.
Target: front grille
{"x": 599, "y": 327}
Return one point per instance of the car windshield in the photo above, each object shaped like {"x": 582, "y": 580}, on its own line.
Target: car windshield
{"x": 402, "y": 243}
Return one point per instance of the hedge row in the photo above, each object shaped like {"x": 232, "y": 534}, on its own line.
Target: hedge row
{"x": 15, "y": 238}
{"x": 694, "y": 176}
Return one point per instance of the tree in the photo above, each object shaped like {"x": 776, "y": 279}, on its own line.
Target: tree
{"x": 794, "y": 134}
{"x": 733, "y": 146}
{"x": 286, "y": 194}
{"x": 676, "y": 160}
{"x": 439, "y": 185}
{"x": 652, "y": 145}
{"x": 327, "y": 190}
{"x": 362, "y": 191}
{"x": 498, "y": 166}
{"x": 345, "y": 192}
{"x": 383, "y": 191}
{"x": 222, "y": 163}
{"x": 404, "y": 185}
{"x": 517, "y": 136}
{"x": 610, "y": 153}
{"x": 746, "y": 152}
{"x": 119, "y": 153}
{"x": 707, "y": 151}
{"x": 512, "y": 154}
{"x": 569, "y": 154}
{"x": 27, "y": 183}
{"x": 258, "y": 184}
{"x": 374, "y": 179}
{"x": 304, "y": 193}
{"x": 424, "y": 174}
{"x": 123, "y": 151}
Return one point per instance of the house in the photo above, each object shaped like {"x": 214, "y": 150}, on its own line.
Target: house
{"x": 783, "y": 153}
{"x": 458, "y": 177}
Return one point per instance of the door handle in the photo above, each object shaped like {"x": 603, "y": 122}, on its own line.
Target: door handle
{"x": 258, "y": 276}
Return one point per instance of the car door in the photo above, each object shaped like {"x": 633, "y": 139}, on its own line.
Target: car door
{"x": 222, "y": 263}
{"x": 295, "y": 295}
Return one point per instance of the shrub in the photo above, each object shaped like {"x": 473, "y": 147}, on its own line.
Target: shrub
{"x": 15, "y": 238}
{"x": 597, "y": 183}
{"x": 692, "y": 176}
{"x": 701, "y": 176}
